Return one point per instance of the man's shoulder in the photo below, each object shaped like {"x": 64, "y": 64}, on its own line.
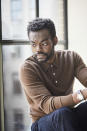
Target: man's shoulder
{"x": 29, "y": 62}
{"x": 66, "y": 53}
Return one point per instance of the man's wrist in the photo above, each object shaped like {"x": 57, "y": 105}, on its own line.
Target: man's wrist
{"x": 84, "y": 93}
{"x": 78, "y": 97}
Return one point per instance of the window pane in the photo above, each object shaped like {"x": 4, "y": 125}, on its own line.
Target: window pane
{"x": 15, "y": 103}
{"x": 16, "y": 10}
{"x": 15, "y": 16}
{"x": 54, "y": 9}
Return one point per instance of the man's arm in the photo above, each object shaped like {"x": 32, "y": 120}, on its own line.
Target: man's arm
{"x": 81, "y": 72}
{"x": 40, "y": 96}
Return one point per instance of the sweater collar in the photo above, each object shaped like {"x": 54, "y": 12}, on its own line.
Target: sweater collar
{"x": 46, "y": 65}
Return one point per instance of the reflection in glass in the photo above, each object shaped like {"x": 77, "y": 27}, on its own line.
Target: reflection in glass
{"x": 15, "y": 103}
{"x": 15, "y": 17}
{"x": 16, "y": 84}
{"x": 16, "y": 10}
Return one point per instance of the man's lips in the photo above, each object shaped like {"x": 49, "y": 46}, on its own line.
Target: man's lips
{"x": 41, "y": 56}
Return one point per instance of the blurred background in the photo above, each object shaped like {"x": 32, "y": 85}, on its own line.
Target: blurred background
{"x": 70, "y": 19}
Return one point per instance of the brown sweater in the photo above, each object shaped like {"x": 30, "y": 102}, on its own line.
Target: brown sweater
{"x": 45, "y": 83}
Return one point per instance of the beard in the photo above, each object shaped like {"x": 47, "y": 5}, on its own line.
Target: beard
{"x": 42, "y": 57}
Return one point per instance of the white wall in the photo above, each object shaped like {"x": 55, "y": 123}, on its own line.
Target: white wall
{"x": 77, "y": 27}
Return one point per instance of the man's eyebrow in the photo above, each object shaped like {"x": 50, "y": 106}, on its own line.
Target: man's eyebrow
{"x": 41, "y": 41}
{"x": 31, "y": 41}
{"x": 45, "y": 39}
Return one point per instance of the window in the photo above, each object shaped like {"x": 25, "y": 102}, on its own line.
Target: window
{"x": 15, "y": 48}
{"x": 15, "y": 16}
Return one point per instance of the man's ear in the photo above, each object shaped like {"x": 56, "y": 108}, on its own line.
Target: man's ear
{"x": 55, "y": 40}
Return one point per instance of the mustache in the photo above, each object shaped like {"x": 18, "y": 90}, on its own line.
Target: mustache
{"x": 37, "y": 53}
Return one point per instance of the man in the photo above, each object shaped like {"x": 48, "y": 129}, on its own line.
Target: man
{"x": 47, "y": 78}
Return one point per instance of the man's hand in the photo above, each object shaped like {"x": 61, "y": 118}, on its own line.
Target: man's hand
{"x": 79, "y": 96}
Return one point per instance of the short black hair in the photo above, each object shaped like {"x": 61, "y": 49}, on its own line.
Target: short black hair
{"x": 42, "y": 23}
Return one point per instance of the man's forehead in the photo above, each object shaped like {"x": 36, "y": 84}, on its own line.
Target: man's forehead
{"x": 39, "y": 34}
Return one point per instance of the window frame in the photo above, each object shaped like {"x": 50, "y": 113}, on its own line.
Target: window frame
{"x": 21, "y": 42}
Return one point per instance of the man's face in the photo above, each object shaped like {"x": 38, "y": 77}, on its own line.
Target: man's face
{"x": 42, "y": 45}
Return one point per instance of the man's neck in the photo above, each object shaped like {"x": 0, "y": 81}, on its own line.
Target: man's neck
{"x": 51, "y": 59}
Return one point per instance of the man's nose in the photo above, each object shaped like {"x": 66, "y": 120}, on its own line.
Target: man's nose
{"x": 39, "y": 48}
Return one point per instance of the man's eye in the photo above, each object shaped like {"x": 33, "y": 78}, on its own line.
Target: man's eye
{"x": 34, "y": 45}
{"x": 44, "y": 44}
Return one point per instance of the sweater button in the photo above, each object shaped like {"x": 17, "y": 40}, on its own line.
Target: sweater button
{"x": 56, "y": 82}
{"x": 51, "y": 65}
{"x": 54, "y": 73}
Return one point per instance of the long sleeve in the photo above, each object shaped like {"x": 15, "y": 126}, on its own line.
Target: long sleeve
{"x": 80, "y": 69}
{"x": 39, "y": 96}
